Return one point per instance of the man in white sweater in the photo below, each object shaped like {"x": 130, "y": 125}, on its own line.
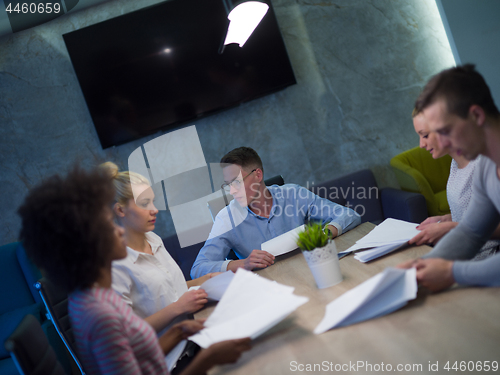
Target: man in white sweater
{"x": 458, "y": 106}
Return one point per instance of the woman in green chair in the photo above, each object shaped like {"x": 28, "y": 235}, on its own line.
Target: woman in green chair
{"x": 458, "y": 192}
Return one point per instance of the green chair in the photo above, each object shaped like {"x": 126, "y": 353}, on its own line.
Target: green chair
{"x": 418, "y": 172}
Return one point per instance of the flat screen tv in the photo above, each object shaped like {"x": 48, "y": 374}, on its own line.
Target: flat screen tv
{"x": 160, "y": 67}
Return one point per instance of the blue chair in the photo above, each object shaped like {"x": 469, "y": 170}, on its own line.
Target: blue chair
{"x": 30, "y": 350}
{"x": 360, "y": 192}
{"x": 19, "y": 298}
{"x": 56, "y": 303}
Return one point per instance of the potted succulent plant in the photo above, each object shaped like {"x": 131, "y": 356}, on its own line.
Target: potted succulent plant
{"x": 321, "y": 255}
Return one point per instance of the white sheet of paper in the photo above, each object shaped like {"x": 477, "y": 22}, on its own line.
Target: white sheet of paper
{"x": 377, "y": 296}
{"x": 367, "y": 255}
{"x": 246, "y": 289}
{"x": 216, "y": 286}
{"x": 250, "y": 306}
{"x": 390, "y": 231}
{"x": 283, "y": 243}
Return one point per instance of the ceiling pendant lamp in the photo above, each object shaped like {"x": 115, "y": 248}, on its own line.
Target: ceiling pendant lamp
{"x": 243, "y": 20}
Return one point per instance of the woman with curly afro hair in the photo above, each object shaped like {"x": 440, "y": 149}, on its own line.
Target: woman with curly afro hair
{"x": 69, "y": 232}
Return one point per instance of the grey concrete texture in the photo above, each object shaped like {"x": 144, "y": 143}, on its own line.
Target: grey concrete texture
{"x": 359, "y": 66}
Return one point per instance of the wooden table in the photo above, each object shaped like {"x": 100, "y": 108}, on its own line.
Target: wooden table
{"x": 460, "y": 324}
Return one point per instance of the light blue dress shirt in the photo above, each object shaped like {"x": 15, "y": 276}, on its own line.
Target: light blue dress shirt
{"x": 243, "y": 231}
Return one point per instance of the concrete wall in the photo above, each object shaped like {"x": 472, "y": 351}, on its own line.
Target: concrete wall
{"x": 359, "y": 65}
{"x": 474, "y": 33}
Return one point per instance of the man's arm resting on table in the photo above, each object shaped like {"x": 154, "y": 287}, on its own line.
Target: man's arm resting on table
{"x": 341, "y": 217}
{"x": 256, "y": 259}
{"x": 263, "y": 259}
{"x": 333, "y": 230}
{"x": 211, "y": 258}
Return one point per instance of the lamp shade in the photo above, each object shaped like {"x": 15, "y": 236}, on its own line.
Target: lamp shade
{"x": 244, "y": 18}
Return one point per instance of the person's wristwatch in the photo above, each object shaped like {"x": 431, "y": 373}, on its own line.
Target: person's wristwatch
{"x": 328, "y": 232}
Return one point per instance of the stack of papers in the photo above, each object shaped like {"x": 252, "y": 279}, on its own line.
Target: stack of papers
{"x": 380, "y": 295}
{"x": 216, "y": 286}
{"x": 388, "y": 236}
{"x": 249, "y": 307}
{"x": 283, "y": 243}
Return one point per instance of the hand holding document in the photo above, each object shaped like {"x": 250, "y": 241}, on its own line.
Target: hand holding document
{"x": 216, "y": 286}
{"x": 388, "y": 236}
{"x": 379, "y": 295}
{"x": 283, "y": 243}
{"x": 249, "y": 307}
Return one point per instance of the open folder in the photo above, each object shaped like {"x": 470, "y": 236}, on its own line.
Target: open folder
{"x": 388, "y": 236}
{"x": 377, "y": 296}
{"x": 249, "y": 307}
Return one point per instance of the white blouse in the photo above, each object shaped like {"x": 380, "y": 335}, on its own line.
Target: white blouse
{"x": 148, "y": 283}
{"x": 459, "y": 193}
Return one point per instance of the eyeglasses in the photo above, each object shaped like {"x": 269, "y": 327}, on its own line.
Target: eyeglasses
{"x": 235, "y": 183}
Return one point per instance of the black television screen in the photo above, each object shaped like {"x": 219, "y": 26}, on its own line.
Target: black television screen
{"x": 159, "y": 67}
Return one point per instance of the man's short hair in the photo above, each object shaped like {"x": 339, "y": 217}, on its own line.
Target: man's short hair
{"x": 245, "y": 157}
{"x": 65, "y": 229}
{"x": 460, "y": 87}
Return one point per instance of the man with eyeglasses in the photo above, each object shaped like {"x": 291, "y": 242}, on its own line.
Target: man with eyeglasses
{"x": 259, "y": 213}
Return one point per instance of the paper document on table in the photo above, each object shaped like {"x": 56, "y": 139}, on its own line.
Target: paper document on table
{"x": 249, "y": 307}
{"x": 390, "y": 235}
{"x": 283, "y": 243}
{"x": 370, "y": 254}
{"x": 377, "y": 296}
{"x": 216, "y": 286}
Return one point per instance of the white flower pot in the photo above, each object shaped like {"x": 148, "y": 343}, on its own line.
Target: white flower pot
{"x": 324, "y": 265}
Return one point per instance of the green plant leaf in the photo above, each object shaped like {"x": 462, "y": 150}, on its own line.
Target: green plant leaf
{"x": 313, "y": 237}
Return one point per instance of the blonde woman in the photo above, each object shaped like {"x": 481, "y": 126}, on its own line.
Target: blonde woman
{"x": 148, "y": 279}
{"x": 458, "y": 191}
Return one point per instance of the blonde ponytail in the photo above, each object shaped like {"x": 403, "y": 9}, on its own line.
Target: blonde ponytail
{"x": 123, "y": 181}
